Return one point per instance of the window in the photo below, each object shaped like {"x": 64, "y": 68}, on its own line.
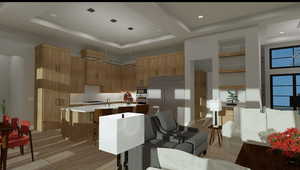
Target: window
{"x": 283, "y": 87}
{"x": 285, "y": 57}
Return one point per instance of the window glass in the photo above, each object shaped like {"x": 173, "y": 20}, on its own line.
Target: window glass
{"x": 283, "y": 80}
{"x": 283, "y": 90}
{"x": 297, "y": 52}
{"x": 281, "y": 101}
{"x": 298, "y": 80}
{"x": 284, "y": 52}
{"x": 282, "y": 62}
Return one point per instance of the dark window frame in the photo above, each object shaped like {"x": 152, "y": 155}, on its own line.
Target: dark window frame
{"x": 294, "y": 85}
{"x": 278, "y": 48}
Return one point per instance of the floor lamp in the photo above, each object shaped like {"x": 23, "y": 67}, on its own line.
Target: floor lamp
{"x": 119, "y": 133}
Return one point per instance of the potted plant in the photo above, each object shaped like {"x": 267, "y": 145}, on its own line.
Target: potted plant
{"x": 232, "y": 98}
{"x": 288, "y": 143}
{"x": 3, "y": 107}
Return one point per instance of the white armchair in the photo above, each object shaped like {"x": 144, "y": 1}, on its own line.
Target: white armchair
{"x": 172, "y": 159}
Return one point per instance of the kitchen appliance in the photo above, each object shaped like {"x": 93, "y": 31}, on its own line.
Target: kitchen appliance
{"x": 168, "y": 93}
{"x": 141, "y": 96}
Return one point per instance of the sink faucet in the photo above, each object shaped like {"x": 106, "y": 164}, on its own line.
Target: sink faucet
{"x": 108, "y": 101}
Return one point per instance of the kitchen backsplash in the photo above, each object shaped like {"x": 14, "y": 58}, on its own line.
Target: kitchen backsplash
{"x": 92, "y": 93}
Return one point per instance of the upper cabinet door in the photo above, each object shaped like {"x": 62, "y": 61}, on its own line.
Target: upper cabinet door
{"x": 77, "y": 75}
{"x": 106, "y": 84}
{"x": 92, "y": 73}
{"x": 45, "y": 63}
{"x": 180, "y": 63}
{"x": 63, "y": 62}
{"x": 140, "y": 72}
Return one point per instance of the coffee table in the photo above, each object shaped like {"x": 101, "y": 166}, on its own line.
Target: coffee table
{"x": 258, "y": 157}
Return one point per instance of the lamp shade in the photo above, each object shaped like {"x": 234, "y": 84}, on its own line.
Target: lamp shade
{"x": 117, "y": 134}
{"x": 214, "y": 105}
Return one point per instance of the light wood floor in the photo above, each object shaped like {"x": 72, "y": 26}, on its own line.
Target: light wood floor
{"x": 52, "y": 152}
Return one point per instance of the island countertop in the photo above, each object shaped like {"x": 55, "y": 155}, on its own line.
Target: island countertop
{"x": 92, "y": 108}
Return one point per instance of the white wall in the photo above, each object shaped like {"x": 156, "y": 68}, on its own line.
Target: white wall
{"x": 207, "y": 47}
{"x": 4, "y": 79}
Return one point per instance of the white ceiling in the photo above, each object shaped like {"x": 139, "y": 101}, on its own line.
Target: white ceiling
{"x": 216, "y": 12}
{"x": 155, "y": 24}
{"x": 281, "y": 31}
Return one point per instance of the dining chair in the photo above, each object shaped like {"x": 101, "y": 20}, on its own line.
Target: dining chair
{"x": 5, "y": 129}
{"x": 20, "y": 136}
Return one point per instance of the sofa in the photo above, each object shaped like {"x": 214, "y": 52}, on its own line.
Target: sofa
{"x": 172, "y": 159}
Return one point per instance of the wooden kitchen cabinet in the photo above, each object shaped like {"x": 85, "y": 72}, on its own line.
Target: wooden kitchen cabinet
{"x": 53, "y": 66}
{"x": 161, "y": 65}
{"x": 106, "y": 84}
{"x": 92, "y": 72}
{"x": 92, "y": 54}
{"x": 77, "y": 75}
{"x": 53, "y": 78}
{"x": 116, "y": 78}
{"x": 128, "y": 77}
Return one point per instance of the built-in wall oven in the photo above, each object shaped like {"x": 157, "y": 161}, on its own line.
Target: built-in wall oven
{"x": 141, "y": 96}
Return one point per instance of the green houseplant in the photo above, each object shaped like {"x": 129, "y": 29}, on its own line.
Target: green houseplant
{"x": 3, "y": 107}
{"x": 232, "y": 98}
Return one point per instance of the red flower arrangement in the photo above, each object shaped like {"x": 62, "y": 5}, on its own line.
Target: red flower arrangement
{"x": 288, "y": 142}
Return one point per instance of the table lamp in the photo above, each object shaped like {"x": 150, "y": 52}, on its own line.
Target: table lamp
{"x": 119, "y": 133}
{"x": 215, "y": 106}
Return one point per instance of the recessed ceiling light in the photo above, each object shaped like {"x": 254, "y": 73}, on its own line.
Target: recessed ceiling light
{"x": 91, "y": 10}
{"x": 53, "y": 15}
{"x": 200, "y": 17}
{"x": 130, "y": 28}
{"x": 113, "y": 20}
{"x": 281, "y": 32}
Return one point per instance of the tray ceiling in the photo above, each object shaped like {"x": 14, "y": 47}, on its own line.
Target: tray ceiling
{"x": 154, "y": 24}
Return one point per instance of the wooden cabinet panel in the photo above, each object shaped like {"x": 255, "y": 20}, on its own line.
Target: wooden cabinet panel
{"x": 161, "y": 65}
{"x": 128, "y": 77}
{"x": 106, "y": 86}
{"x": 180, "y": 63}
{"x": 53, "y": 65}
{"x": 53, "y": 77}
{"x": 77, "y": 75}
{"x": 92, "y": 54}
{"x": 116, "y": 78}
{"x": 140, "y": 72}
{"x": 92, "y": 73}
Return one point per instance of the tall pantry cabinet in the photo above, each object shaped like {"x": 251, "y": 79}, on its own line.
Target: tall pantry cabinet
{"x": 53, "y": 69}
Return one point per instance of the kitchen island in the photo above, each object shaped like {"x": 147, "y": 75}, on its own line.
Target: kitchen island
{"x": 77, "y": 122}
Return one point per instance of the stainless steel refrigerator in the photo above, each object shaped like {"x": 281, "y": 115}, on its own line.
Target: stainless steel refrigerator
{"x": 167, "y": 92}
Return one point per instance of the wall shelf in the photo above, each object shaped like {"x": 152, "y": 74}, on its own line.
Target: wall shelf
{"x": 232, "y": 54}
{"x": 232, "y": 71}
{"x": 234, "y": 87}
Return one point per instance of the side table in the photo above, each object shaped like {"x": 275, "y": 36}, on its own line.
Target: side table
{"x": 215, "y": 131}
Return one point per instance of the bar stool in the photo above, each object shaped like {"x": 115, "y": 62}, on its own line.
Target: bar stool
{"x": 143, "y": 108}
{"x": 96, "y": 115}
{"x": 125, "y": 109}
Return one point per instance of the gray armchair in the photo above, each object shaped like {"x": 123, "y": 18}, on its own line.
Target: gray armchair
{"x": 152, "y": 142}
{"x": 168, "y": 126}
